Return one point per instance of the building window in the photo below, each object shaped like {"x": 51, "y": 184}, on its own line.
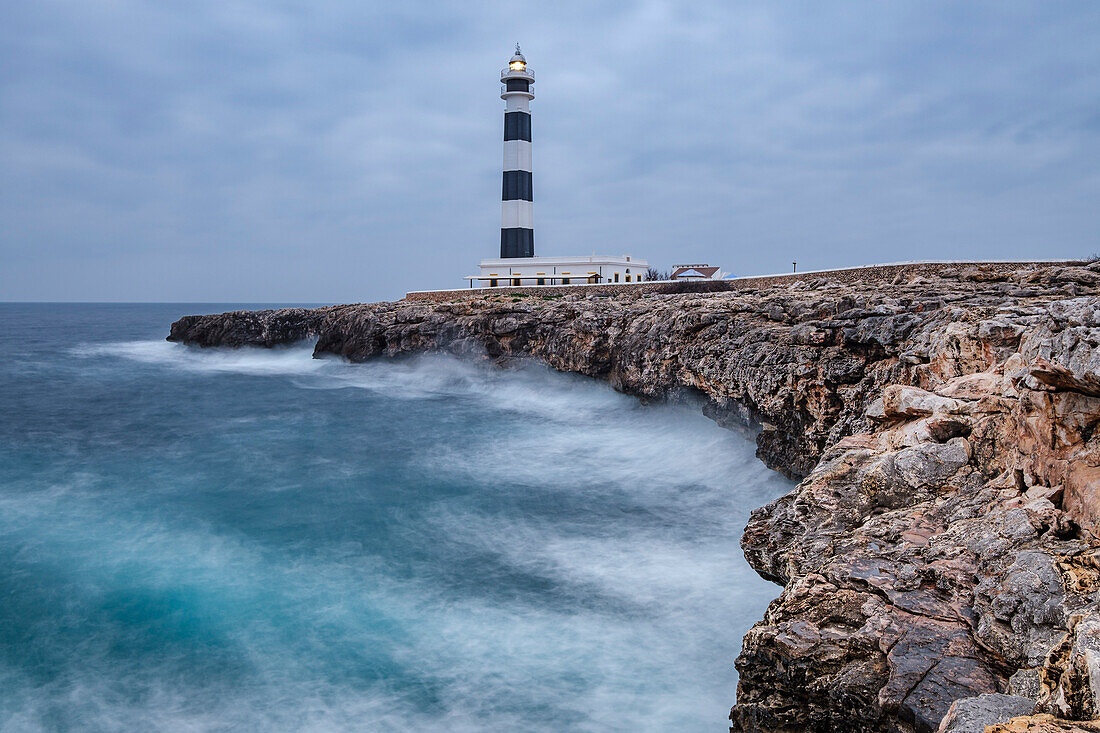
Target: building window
{"x": 515, "y": 282}
{"x": 565, "y": 281}
{"x": 541, "y": 281}
{"x": 493, "y": 283}
{"x": 628, "y": 278}
{"x": 616, "y": 277}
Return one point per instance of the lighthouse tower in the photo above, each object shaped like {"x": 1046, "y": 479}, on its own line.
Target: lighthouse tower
{"x": 517, "y": 232}
{"x": 517, "y": 265}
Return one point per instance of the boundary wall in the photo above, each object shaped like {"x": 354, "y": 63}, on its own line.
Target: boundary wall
{"x": 865, "y": 273}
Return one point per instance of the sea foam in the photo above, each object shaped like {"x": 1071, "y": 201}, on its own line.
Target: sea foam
{"x": 206, "y": 539}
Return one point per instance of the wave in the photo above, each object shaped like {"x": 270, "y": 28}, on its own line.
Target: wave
{"x": 533, "y": 551}
{"x": 521, "y": 387}
{"x": 281, "y": 361}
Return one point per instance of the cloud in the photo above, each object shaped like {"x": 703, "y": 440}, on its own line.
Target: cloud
{"x": 323, "y": 151}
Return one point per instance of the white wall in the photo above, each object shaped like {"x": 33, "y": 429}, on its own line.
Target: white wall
{"x": 517, "y": 214}
{"x": 517, "y": 155}
{"x": 556, "y": 268}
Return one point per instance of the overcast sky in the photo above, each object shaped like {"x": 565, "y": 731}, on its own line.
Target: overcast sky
{"x": 336, "y": 151}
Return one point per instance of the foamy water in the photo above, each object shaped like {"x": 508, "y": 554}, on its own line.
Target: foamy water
{"x": 258, "y": 540}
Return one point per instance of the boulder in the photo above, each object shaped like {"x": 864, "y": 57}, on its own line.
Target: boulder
{"x": 974, "y": 714}
{"x": 904, "y": 401}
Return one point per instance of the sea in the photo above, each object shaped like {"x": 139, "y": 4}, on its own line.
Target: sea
{"x": 257, "y": 540}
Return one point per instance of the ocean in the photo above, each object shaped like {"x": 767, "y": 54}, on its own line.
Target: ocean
{"x": 208, "y": 540}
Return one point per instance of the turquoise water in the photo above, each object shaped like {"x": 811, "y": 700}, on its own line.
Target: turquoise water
{"x": 258, "y": 540}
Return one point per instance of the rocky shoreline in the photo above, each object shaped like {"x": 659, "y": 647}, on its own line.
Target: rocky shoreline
{"x": 939, "y": 560}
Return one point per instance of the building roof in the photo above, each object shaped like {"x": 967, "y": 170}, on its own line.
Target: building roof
{"x": 578, "y": 260}
{"x": 699, "y": 271}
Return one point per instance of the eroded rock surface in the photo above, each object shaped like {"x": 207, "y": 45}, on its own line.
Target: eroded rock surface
{"x": 941, "y": 548}
{"x": 975, "y": 714}
{"x": 1044, "y": 724}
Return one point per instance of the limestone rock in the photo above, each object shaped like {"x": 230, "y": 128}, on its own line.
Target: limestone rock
{"x": 1045, "y": 724}
{"x": 941, "y": 548}
{"x": 899, "y": 401}
{"x": 973, "y": 714}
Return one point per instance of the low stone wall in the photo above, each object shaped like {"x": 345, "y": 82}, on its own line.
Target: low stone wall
{"x": 870, "y": 273}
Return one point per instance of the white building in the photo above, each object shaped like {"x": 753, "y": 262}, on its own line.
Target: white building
{"x": 517, "y": 264}
{"x": 524, "y": 271}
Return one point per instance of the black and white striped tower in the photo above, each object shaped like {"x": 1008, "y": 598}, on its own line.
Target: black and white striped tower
{"x": 517, "y": 226}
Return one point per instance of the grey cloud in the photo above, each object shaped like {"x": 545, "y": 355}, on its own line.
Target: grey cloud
{"x": 327, "y": 151}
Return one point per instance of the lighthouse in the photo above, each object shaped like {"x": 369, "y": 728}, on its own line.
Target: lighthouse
{"x": 517, "y": 226}
{"x": 517, "y": 265}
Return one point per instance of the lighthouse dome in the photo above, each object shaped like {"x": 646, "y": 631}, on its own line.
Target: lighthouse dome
{"x": 517, "y": 61}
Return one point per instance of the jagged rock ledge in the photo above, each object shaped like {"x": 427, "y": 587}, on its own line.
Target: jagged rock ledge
{"x": 939, "y": 559}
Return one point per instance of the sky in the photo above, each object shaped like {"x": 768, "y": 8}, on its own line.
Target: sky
{"x": 339, "y": 151}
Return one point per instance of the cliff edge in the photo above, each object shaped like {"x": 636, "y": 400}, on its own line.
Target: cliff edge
{"x": 939, "y": 560}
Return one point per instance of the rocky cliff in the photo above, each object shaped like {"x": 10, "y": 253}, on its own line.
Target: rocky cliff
{"x": 939, "y": 560}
